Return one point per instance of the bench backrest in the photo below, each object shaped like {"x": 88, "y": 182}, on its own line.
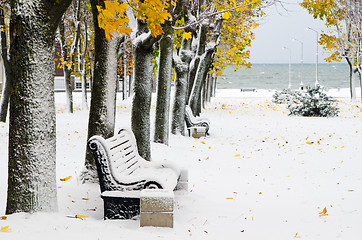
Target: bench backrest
{"x": 117, "y": 159}
{"x": 123, "y": 154}
{"x": 189, "y": 117}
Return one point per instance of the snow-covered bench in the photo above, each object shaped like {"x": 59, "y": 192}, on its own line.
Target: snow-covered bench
{"x": 192, "y": 121}
{"x": 123, "y": 173}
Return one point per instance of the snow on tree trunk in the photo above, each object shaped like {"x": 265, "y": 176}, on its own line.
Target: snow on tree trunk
{"x": 181, "y": 66}
{"x": 205, "y": 62}
{"x": 164, "y": 88}
{"x": 200, "y": 77}
{"x": 4, "y": 103}
{"x": 5, "y": 100}
{"x": 142, "y": 88}
{"x": 68, "y": 89}
{"x": 32, "y": 135}
{"x": 352, "y": 84}
{"x": 103, "y": 101}
{"x": 84, "y": 89}
{"x": 124, "y": 82}
{"x": 82, "y": 65}
{"x": 202, "y": 36}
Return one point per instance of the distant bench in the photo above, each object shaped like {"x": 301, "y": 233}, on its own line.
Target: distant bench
{"x": 248, "y": 90}
{"x": 196, "y": 122}
{"x": 123, "y": 173}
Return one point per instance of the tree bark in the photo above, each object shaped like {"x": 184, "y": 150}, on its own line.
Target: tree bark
{"x": 103, "y": 102}
{"x": 352, "y": 85}
{"x": 194, "y": 65}
{"x": 4, "y": 54}
{"x": 204, "y": 65}
{"x": 32, "y": 134}
{"x": 142, "y": 88}
{"x": 164, "y": 87}
{"x": 181, "y": 66}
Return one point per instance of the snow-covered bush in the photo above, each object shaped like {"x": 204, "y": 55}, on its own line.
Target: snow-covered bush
{"x": 314, "y": 103}
{"x": 287, "y": 96}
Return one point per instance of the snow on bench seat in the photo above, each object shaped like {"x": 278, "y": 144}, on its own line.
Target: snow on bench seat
{"x": 122, "y": 170}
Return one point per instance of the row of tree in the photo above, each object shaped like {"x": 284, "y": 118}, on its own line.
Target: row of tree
{"x": 191, "y": 38}
{"x": 344, "y": 40}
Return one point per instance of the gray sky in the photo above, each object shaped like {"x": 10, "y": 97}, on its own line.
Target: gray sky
{"x": 277, "y": 30}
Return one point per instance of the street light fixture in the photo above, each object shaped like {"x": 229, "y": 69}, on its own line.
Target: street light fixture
{"x": 290, "y": 66}
{"x": 316, "y": 68}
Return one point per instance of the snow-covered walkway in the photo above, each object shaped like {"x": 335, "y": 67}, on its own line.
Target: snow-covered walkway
{"x": 261, "y": 174}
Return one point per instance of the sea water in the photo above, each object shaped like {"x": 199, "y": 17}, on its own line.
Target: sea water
{"x": 276, "y": 76}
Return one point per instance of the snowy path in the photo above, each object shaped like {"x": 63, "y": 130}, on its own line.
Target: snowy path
{"x": 260, "y": 175}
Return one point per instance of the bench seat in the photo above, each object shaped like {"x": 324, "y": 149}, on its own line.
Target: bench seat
{"x": 122, "y": 170}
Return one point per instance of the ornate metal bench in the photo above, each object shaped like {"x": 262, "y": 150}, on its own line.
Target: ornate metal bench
{"x": 123, "y": 173}
{"x": 192, "y": 121}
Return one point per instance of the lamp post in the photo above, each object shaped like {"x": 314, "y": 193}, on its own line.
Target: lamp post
{"x": 316, "y": 64}
{"x": 301, "y": 62}
{"x": 290, "y": 67}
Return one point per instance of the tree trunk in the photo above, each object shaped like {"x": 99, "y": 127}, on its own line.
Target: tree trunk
{"x": 201, "y": 74}
{"x": 181, "y": 66}
{"x": 5, "y": 98}
{"x": 32, "y": 135}
{"x": 352, "y": 85}
{"x": 142, "y": 87}
{"x": 82, "y": 65}
{"x": 204, "y": 65}
{"x": 103, "y": 101}
{"x": 4, "y": 103}
{"x": 164, "y": 88}
{"x": 124, "y": 83}
{"x": 68, "y": 88}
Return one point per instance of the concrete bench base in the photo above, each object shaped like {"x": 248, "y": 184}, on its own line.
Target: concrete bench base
{"x": 197, "y": 132}
{"x": 156, "y": 208}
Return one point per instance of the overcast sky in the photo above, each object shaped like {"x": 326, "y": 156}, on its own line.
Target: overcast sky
{"x": 277, "y": 30}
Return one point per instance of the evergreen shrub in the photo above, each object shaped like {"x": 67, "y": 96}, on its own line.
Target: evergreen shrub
{"x": 312, "y": 102}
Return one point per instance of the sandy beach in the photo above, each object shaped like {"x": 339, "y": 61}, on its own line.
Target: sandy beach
{"x": 261, "y": 174}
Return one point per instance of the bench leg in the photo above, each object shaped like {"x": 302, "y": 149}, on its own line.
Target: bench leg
{"x": 121, "y": 208}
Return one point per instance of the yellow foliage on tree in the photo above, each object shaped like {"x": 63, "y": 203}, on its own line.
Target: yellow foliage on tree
{"x": 339, "y": 16}
{"x": 113, "y": 19}
{"x": 237, "y": 34}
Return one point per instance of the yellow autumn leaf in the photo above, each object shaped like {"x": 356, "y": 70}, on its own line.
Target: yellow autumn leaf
{"x": 80, "y": 216}
{"x": 202, "y": 142}
{"x": 187, "y": 35}
{"x": 4, "y": 217}
{"x": 5, "y": 229}
{"x": 226, "y": 15}
{"x": 237, "y": 155}
{"x": 85, "y": 199}
{"x": 229, "y": 198}
{"x": 310, "y": 143}
{"x": 65, "y": 179}
{"x": 323, "y": 213}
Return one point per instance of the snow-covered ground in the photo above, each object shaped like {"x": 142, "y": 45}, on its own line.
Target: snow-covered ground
{"x": 261, "y": 174}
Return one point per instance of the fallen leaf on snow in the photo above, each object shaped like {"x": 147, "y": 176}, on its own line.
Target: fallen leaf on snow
{"x": 323, "y": 213}
{"x": 229, "y": 198}
{"x": 4, "y": 217}
{"x": 65, "y": 179}
{"x": 5, "y": 229}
